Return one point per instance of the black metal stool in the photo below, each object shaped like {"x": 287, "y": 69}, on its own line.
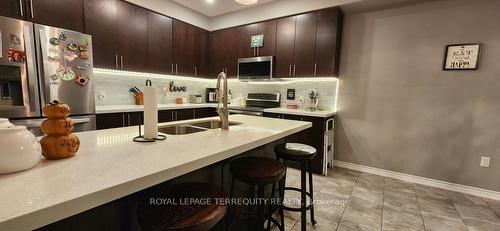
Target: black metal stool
{"x": 182, "y": 207}
{"x": 304, "y": 154}
{"x": 260, "y": 172}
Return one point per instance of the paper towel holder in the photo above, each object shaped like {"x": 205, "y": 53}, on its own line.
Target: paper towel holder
{"x": 142, "y": 139}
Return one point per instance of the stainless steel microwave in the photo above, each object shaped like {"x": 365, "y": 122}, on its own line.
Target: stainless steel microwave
{"x": 256, "y": 68}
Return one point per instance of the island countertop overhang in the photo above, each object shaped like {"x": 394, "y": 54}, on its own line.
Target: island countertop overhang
{"x": 109, "y": 166}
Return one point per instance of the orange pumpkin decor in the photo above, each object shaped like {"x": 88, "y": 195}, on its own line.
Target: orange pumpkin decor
{"x": 59, "y": 142}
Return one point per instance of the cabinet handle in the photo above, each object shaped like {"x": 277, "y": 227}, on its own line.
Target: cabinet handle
{"x": 116, "y": 61}
{"x": 294, "y": 66}
{"x": 121, "y": 60}
{"x": 315, "y": 67}
{"x": 123, "y": 120}
{"x": 176, "y": 72}
{"x": 31, "y": 9}
{"x": 227, "y": 73}
{"x": 128, "y": 115}
{"x": 21, "y": 7}
{"x": 254, "y": 51}
{"x": 172, "y": 68}
{"x": 258, "y": 51}
{"x": 290, "y": 70}
{"x": 195, "y": 71}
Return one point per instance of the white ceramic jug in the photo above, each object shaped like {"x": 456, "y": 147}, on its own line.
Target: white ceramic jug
{"x": 20, "y": 150}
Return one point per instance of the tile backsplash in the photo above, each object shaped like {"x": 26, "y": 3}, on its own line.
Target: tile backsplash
{"x": 115, "y": 86}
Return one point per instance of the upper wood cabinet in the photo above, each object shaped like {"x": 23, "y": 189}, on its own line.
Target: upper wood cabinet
{"x": 328, "y": 41}
{"x": 101, "y": 23}
{"x": 132, "y": 37}
{"x": 201, "y": 66}
{"x": 223, "y": 48}
{"x": 184, "y": 48}
{"x": 161, "y": 57}
{"x": 66, "y": 14}
{"x": 233, "y": 40}
{"x": 308, "y": 44}
{"x": 13, "y": 9}
{"x": 119, "y": 34}
{"x": 268, "y": 29}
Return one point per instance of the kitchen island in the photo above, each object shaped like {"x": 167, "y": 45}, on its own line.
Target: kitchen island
{"x": 109, "y": 166}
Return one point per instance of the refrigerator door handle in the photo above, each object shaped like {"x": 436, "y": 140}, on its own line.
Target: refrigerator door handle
{"x": 121, "y": 60}
{"x": 32, "y": 77}
{"x": 116, "y": 61}
{"x": 31, "y": 9}
{"x": 21, "y": 10}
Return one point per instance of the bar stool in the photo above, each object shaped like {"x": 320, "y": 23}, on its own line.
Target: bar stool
{"x": 182, "y": 207}
{"x": 260, "y": 172}
{"x": 304, "y": 154}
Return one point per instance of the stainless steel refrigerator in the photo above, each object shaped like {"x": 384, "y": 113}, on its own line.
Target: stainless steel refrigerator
{"x": 40, "y": 64}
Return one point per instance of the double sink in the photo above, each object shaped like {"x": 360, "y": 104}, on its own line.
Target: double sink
{"x": 183, "y": 129}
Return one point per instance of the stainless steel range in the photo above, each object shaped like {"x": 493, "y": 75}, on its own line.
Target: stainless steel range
{"x": 256, "y": 103}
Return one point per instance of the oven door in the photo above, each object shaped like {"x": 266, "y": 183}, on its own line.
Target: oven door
{"x": 19, "y": 95}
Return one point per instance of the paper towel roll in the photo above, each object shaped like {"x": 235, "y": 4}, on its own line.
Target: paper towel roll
{"x": 150, "y": 113}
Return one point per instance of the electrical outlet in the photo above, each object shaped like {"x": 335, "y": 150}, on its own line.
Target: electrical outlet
{"x": 485, "y": 162}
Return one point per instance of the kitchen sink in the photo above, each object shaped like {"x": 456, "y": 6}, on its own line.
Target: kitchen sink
{"x": 183, "y": 129}
{"x": 213, "y": 124}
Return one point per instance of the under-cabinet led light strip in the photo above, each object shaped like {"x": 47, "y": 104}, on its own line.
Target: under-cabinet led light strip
{"x": 162, "y": 76}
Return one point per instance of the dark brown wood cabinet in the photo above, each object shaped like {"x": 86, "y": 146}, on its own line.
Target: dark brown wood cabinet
{"x": 305, "y": 41}
{"x": 312, "y": 136}
{"x": 218, "y": 51}
{"x": 201, "y": 66}
{"x": 13, "y": 9}
{"x": 119, "y": 34}
{"x": 285, "y": 46}
{"x": 67, "y": 14}
{"x": 112, "y": 120}
{"x": 132, "y": 37}
{"x": 183, "y": 48}
{"x": 101, "y": 23}
{"x": 160, "y": 49}
{"x": 268, "y": 29}
{"x": 232, "y": 52}
{"x": 328, "y": 41}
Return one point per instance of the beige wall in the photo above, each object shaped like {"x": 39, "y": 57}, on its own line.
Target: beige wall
{"x": 399, "y": 111}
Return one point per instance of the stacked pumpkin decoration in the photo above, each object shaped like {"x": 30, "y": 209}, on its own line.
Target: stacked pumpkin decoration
{"x": 59, "y": 142}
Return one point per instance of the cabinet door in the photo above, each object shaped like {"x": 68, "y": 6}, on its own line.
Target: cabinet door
{"x": 204, "y": 112}
{"x": 13, "y": 9}
{"x": 160, "y": 43}
{"x": 100, "y": 22}
{"x": 328, "y": 42}
{"x": 132, "y": 36}
{"x": 272, "y": 115}
{"x": 285, "y": 45}
{"x": 305, "y": 39}
{"x": 165, "y": 116}
{"x": 245, "y": 33}
{"x": 67, "y": 14}
{"x": 268, "y": 29}
{"x": 201, "y": 52}
{"x": 232, "y": 52}
{"x": 183, "y": 48}
{"x": 114, "y": 120}
{"x": 184, "y": 114}
{"x": 218, "y": 51}
{"x": 135, "y": 118}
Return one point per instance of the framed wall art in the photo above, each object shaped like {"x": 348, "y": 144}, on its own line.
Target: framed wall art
{"x": 461, "y": 57}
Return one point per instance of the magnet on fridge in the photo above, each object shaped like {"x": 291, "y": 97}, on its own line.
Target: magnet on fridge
{"x": 54, "y": 79}
{"x": 14, "y": 39}
{"x": 16, "y": 56}
{"x": 54, "y": 59}
{"x": 86, "y": 65}
{"x": 70, "y": 56}
{"x": 82, "y": 79}
{"x": 78, "y": 67}
{"x": 72, "y": 46}
{"x": 55, "y": 41}
{"x": 82, "y": 47}
{"x": 84, "y": 55}
{"x": 65, "y": 73}
{"x": 62, "y": 36}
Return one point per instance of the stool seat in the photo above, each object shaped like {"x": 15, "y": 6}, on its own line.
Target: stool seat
{"x": 257, "y": 170}
{"x": 183, "y": 206}
{"x": 295, "y": 151}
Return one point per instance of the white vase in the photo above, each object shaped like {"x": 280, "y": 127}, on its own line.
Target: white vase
{"x": 20, "y": 150}
{"x": 4, "y": 123}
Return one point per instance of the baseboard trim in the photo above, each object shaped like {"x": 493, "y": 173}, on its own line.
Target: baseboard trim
{"x": 421, "y": 180}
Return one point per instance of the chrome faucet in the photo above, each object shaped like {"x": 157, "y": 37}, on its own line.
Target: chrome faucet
{"x": 222, "y": 99}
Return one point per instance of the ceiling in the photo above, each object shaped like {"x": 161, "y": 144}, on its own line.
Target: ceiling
{"x": 213, "y": 8}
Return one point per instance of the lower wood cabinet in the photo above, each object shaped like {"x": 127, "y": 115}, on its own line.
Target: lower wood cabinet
{"x": 116, "y": 120}
{"x": 313, "y": 136}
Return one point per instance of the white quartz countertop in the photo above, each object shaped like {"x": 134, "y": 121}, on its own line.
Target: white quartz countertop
{"x": 109, "y": 165}
{"x": 133, "y": 108}
{"x": 302, "y": 112}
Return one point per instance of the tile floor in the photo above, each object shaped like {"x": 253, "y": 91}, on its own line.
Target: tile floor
{"x": 351, "y": 200}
